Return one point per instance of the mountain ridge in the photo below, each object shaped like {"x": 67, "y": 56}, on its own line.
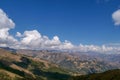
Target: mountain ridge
{"x": 20, "y": 66}
{"x": 79, "y": 63}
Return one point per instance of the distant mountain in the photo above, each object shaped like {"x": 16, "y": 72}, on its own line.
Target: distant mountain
{"x": 78, "y": 62}
{"x": 9, "y": 49}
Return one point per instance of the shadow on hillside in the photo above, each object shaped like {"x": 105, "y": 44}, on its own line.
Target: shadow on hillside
{"x": 5, "y": 65}
{"x": 24, "y": 62}
{"x": 51, "y": 75}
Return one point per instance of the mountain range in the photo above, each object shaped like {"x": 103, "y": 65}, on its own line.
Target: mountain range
{"x": 78, "y": 62}
{"x": 24, "y": 64}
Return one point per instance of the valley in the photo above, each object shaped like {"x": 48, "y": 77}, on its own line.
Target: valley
{"x": 52, "y": 65}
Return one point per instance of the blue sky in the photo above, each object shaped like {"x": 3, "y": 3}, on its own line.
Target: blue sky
{"x": 79, "y": 21}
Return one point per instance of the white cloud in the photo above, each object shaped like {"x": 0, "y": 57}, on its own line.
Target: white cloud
{"x": 34, "y": 40}
{"x": 99, "y": 49}
{"x": 30, "y": 36}
{"x": 67, "y": 45}
{"x": 116, "y": 17}
{"x": 18, "y": 34}
{"x": 5, "y": 25}
{"x": 54, "y": 42}
{"x": 5, "y": 22}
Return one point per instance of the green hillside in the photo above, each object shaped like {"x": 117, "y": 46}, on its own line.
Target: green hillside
{"x": 108, "y": 75}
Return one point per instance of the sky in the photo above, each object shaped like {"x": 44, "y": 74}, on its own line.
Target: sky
{"x": 60, "y": 24}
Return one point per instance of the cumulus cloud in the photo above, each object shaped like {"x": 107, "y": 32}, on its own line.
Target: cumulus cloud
{"x": 18, "y": 34}
{"x": 5, "y": 22}
{"x": 34, "y": 40}
{"x": 5, "y": 25}
{"x": 116, "y": 17}
{"x": 31, "y": 37}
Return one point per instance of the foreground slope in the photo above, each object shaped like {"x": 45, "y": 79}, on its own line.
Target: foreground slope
{"x": 108, "y": 75}
{"x": 21, "y": 67}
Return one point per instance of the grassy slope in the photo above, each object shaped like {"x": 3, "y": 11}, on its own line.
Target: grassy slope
{"x": 108, "y": 75}
{"x": 20, "y": 67}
